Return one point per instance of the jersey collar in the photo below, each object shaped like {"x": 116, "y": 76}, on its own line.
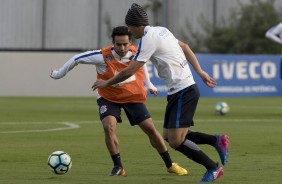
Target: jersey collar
{"x": 146, "y": 29}
{"x": 126, "y": 58}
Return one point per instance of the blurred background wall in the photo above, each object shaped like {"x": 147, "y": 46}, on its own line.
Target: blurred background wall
{"x": 86, "y": 24}
{"x": 31, "y": 30}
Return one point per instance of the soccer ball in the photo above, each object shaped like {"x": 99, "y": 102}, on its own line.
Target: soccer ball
{"x": 59, "y": 162}
{"x": 222, "y": 108}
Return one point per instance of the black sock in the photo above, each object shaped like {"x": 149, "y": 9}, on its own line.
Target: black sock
{"x": 201, "y": 138}
{"x": 116, "y": 159}
{"x": 192, "y": 151}
{"x": 166, "y": 157}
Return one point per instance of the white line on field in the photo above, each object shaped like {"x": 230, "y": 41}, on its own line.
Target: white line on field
{"x": 230, "y": 120}
{"x": 69, "y": 126}
{"x": 47, "y": 122}
{"x": 238, "y": 120}
{"x": 221, "y": 119}
{"x": 249, "y": 106}
{"x": 75, "y": 125}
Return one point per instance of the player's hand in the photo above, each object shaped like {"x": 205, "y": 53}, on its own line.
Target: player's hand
{"x": 152, "y": 88}
{"x": 154, "y": 92}
{"x": 54, "y": 74}
{"x": 99, "y": 84}
{"x": 51, "y": 74}
{"x": 209, "y": 81}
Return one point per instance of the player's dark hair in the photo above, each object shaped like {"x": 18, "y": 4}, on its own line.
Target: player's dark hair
{"x": 121, "y": 31}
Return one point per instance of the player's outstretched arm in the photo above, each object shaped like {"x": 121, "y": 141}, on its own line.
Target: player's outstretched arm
{"x": 89, "y": 57}
{"x": 192, "y": 59}
{"x": 69, "y": 65}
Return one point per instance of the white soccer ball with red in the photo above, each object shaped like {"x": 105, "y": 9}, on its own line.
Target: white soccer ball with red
{"x": 59, "y": 162}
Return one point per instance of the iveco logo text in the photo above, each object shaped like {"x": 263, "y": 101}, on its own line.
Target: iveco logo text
{"x": 243, "y": 70}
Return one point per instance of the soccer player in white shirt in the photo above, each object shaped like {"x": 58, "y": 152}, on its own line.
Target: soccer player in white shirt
{"x": 171, "y": 56}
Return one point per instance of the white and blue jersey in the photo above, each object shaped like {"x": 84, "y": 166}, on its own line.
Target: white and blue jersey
{"x": 169, "y": 59}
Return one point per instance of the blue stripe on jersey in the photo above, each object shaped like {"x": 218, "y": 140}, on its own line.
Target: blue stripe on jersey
{"x": 86, "y": 55}
{"x": 178, "y": 112}
{"x": 139, "y": 49}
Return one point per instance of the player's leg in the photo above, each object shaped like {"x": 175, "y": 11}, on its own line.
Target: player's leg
{"x": 201, "y": 138}
{"x": 193, "y": 152}
{"x": 154, "y": 136}
{"x": 219, "y": 142}
{"x": 177, "y": 140}
{"x": 178, "y": 117}
{"x": 158, "y": 143}
{"x": 137, "y": 113}
{"x": 110, "y": 115}
{"x": 109, "y": 125}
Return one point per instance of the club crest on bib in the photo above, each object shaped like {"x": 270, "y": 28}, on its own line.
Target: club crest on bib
{"x": 109, "y": 58}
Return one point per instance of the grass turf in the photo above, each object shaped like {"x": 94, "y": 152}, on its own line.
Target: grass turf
{"x": 30, "y": 131}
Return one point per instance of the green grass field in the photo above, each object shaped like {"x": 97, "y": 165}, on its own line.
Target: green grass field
{"x": 32, "y": 127}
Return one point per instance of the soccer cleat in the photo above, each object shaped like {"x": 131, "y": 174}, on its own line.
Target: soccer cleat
{"x": 176, "y": 169}
{"x": 221, "y": 146}
{"x": 117, "y": 171}
{"x": 213, "y": 174}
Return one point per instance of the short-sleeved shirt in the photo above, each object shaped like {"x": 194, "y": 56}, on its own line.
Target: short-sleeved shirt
{"x": 168, "y": 58}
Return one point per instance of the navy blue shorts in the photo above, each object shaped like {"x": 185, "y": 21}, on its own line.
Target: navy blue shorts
{"x": 181, "y": 108}
{"x": 135, "y": 112}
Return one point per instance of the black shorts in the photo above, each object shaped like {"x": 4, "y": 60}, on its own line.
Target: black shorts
{"x": 135, "y": 112}
{"x": 181, "y": 108}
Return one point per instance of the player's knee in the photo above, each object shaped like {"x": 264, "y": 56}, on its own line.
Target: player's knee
{"x": 149, "y": 129}
{"x": 109, "y": 129}
{"x": 174, "y": 143}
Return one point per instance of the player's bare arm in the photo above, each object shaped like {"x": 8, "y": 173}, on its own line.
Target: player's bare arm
{"x": 123, "y": 75}
{"x": 153, "y": 90}
{"x": 192, "y": 59}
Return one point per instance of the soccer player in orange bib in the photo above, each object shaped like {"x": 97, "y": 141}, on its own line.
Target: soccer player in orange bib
{"x": 128, "y": 95}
